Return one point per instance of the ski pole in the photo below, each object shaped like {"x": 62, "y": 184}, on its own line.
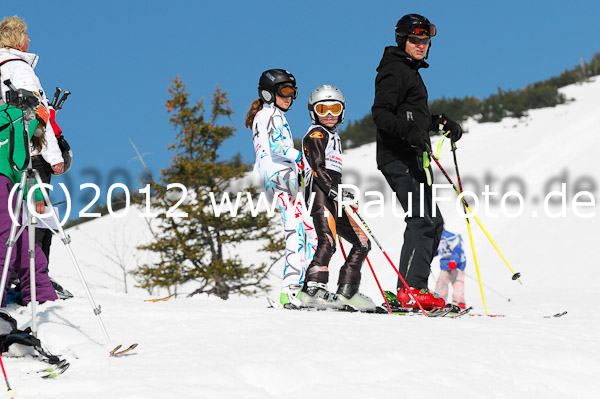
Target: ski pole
{"x": 62, "y": 100}
{"x": 489, "y": 288}
{"x": 515, "y": 276}
{"x": 10, "y": 391}
{"x": 355, "y": 212}
{"x": 468, "y": 227}
{"x": 55, "y": 98}
{"x": 372, "y": 271}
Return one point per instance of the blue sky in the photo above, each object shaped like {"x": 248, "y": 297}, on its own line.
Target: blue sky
{"x": 117, "y": 57}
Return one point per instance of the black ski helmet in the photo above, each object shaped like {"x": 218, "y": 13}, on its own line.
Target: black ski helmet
{"x": 270, "y": 79}
{"x": 413, "y": 24}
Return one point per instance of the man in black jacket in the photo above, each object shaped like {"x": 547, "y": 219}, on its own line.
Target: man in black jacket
{"x": 401, "y": 114}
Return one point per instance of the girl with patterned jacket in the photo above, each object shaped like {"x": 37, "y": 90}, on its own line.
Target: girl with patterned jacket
{"x": 278, "y": 164}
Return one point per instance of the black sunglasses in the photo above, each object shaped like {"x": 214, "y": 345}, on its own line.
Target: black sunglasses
{"x": 416, "y": 40}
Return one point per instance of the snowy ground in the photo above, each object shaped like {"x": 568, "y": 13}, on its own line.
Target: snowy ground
{"x": 207, "y": 348}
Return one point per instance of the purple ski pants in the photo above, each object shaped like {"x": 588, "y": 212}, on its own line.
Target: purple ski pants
{"x": 19, "y": 259}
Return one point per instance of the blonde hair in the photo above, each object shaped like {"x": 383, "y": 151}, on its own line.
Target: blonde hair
{"x": 256, "y": 106}
{"x": 12, "y": 32}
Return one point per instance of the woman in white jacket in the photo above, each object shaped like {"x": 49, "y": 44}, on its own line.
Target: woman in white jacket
{"x": 17, "y": 65}
{"x": 278, "y": 164}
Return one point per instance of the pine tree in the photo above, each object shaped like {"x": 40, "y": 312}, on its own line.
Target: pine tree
{"x": 201, "y": 248}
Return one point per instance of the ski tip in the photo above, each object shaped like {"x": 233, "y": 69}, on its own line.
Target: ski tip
{"x": 115, "y": 352}
{"x": 54, "y": 366}
{"x": 559, "y": 314}
{"x": 160, "y": 299}
{"x": 58, "y": 371}
{"x": 273, "y": 303}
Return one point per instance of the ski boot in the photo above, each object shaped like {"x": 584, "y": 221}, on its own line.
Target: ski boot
{"x": 61, "y": 293}
{"x": 348, "y": 293}
{"x": 429, "y": 300}
{"x": 315, "y": 295}
{"x": 289, "y": 297}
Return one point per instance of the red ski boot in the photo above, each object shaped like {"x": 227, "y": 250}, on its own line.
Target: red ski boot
{"x": 426, "y": 298}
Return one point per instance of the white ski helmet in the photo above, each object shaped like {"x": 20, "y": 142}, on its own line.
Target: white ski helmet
{"x": 326, "y": 93}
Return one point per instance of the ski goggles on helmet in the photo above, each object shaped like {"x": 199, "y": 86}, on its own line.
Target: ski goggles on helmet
{"x": 429, "y": 30}
{"x": 416, "y": 40}
{"x": 287, "y": 91}
{"x": 329, "y": 107}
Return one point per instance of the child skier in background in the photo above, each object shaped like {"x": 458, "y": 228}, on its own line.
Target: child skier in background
{"x": 323, "y": 173}
{"x": 278, "y": 164}
{"x": 452, "y": 264}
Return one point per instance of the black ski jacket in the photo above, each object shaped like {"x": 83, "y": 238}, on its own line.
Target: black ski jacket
{"x": 400, "y": 100}
{"x": 321, "y": 148}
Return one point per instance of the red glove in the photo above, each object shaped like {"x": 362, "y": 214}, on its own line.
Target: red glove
{"x": 452, "y": 265}
{"x": 42, "y": 115}
{"x": 55, "y": 127}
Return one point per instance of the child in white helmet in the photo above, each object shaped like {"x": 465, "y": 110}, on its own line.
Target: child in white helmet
{"x": 322, "y": 152}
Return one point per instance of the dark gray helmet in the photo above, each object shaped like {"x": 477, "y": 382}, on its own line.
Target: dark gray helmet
{"x": 271, "y": 81}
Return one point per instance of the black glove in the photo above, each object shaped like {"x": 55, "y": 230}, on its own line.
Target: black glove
{"x": 333, "y": 192}
{"x": 445, "y": 124}
{"x": 417, "y": 138}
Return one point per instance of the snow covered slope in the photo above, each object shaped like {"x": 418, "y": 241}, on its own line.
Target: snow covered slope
{"x": 207, "y": 348}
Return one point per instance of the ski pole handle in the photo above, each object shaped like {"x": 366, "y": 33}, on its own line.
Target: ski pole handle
{"x": 56, "y": 95}
{"x": 62, "y": 100}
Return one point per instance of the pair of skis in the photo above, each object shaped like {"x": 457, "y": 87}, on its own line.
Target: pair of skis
{"x": 276, "y": 305}
{"x": 559, "y": 314}
{"x": 452, "y": 311}
{"x": 440, "y": 312}
{"x": 54, "y": 370}
{"x": 117, "y": 351}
